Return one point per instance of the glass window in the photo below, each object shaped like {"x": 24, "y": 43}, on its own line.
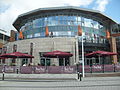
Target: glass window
{"x": 100, "y": 26}
{"x": 79, "y": 23}
{"x": 60, "y": 17}
{"x": 56, "y": 18}
{"x": 49, "y": 18}
{"x": 69, "y": 33}
{"x": 95, "y": 24}
{"x": 88, "y": 22}
{"x": 25, "y": 61}
{"x": 52, "y": 21}
{"x": 74, "y": 18}
{"x": 44, "y": 62}
{"x": 65, "y": 18}
{"x": 42, "y": 34}
{"x": 75, "y": 23}
{"x": 37, "y": 23}
{"x": 36, "y": 34}
{"x": 79, "y": 18}
{"x": 61, "y": 22}
{"x": 29, "y": 36}
{"x": 65, "y": 22}
{"x": 55, "y": 33}
{"x": 69, "y": 17}
{"x": 69, "y": 22}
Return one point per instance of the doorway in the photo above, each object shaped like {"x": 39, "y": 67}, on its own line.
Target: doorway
{"x": 64, "y": 61}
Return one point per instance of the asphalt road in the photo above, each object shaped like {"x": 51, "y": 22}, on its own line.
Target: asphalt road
{"x": 87, "y": 83}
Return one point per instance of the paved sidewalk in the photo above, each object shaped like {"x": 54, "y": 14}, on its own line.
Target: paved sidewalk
{"x": 87, "y": 83}
{"x": 40, "y": 76}
{"x": 56, "y": 76}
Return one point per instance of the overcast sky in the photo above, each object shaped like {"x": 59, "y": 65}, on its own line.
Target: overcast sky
{"x": 10, "y": 9}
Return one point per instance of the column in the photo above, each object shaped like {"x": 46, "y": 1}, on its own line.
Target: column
{"x": 114, "y": 49}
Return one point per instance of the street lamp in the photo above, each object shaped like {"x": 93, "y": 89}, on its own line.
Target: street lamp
{"x": 80, "y": 33}
{"x": 83, "y": 69}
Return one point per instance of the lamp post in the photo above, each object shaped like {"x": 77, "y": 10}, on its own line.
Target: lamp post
{"x": 80, "y": 33}
{"x": 83, "y": 69}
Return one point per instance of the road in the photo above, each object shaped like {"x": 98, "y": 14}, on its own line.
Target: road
{"x": 87, "y": 83}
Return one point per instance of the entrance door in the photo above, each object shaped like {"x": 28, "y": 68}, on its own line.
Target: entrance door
{"x": 24, "y": 61}
{"x": 45, "y": 61}
{"x": 91, "y": 61}
{"x": 64, "y": 61}
{"x": 61, "y": 62}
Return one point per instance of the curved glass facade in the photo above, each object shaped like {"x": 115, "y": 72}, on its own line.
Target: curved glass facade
{"x": 65, "y": 26}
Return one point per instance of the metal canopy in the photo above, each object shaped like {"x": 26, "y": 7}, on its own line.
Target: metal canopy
{"x": 57, "y": 9}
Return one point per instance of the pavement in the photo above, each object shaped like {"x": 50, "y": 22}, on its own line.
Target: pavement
{"x": 106, "y": 74}
{"x": 39, "y": 76}
{"x": 87, "y": 83}
{"x": 56, "y": 76}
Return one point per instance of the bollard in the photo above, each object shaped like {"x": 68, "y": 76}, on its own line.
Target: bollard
{"x": 80, "y": 74}
{"x": 17, "y": 70}
{"x": 91, "y": 68}
{"x": 3, "y": 76}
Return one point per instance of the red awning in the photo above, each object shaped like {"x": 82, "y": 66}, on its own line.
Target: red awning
{"x": 56, "y": 54}
{"x": 16, "y": 55}
{"x": 101, "y": 53}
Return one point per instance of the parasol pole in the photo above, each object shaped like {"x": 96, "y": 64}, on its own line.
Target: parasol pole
{"x": 45, "y": 62}
{"x": 99, "y": 59}
{"x": 64, "y": 61}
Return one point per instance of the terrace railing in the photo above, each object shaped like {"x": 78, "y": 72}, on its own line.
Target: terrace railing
{"x": 60, "y": 69}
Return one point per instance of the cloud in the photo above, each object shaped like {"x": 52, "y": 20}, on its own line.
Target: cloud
{"x": 101, "y": 5}
{"x": 10, "y": 9}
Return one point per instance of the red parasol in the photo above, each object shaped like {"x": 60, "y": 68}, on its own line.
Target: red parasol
{"x": 56, "y": 54}
{"x": 101, "y": 53}
{"x": 16, "y": 55}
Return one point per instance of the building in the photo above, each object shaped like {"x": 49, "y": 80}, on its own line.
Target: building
{"x": 4, "y": 38}
{"x": 116, "y": 34}
{"x": 62, "y": 34}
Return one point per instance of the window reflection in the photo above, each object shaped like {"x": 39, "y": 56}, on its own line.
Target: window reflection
{"x": 65, "y": 25}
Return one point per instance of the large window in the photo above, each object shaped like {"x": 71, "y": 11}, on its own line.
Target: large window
{"x": 64, "y": 25}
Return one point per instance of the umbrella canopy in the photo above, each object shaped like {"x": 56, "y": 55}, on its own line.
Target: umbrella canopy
{"x": 16, "y": 55}
{"x": 2, "y": 58}
{"x": 56, "y": 54}
{"x": 101, "y": 53}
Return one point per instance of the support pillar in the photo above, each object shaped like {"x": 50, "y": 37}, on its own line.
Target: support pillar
{"x": 114, "y": 49}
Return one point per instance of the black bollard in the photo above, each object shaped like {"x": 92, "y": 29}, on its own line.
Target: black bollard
{"x": 91, "y": 68}
{"x": 3, "y": 76}
{"x": 80, "y": 74}
{"x": 17, "y": 70}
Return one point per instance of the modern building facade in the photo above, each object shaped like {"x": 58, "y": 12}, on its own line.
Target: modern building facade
{"x": 4, "y": 38}
{"x": 62, "y": 23}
